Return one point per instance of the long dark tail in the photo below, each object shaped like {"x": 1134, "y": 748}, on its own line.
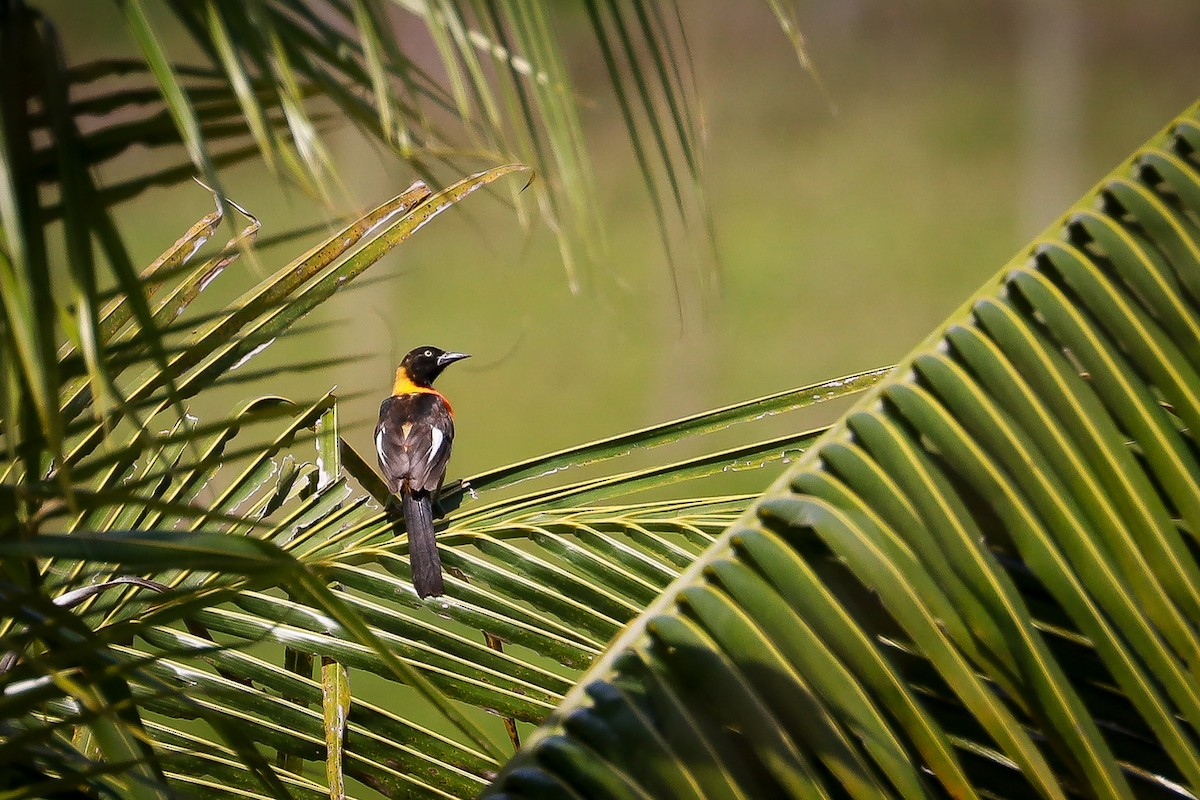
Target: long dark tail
{"x": 422, "y": 544}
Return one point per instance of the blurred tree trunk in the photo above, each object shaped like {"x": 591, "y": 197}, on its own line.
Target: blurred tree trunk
{"x": 1052, "y": 84}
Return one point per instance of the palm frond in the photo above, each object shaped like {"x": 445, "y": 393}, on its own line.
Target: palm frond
{"x": 981, "y": 582}
{"x": 546, "y": 588}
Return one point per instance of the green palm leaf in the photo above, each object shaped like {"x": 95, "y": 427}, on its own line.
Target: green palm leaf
{"x": 552, "y": 586}
{"x": 982, "y": 581}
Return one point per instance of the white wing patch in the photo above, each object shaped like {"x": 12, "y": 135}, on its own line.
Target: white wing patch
{"x": 435, "y": 444}
{"x": 379, "y": 434}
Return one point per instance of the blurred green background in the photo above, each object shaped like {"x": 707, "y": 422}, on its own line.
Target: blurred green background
{"x": 841, "y": 239}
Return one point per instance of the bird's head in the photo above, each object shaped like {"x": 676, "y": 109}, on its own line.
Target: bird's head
{"x": 422, "y": 365}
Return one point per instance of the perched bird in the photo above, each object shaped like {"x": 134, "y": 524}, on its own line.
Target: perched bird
{"x": 413, "y": 439}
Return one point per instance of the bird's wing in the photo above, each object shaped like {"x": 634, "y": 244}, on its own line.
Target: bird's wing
{"x": 413, "y": 440}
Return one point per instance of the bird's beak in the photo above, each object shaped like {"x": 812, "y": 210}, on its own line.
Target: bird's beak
{"x": 450, "y": 358}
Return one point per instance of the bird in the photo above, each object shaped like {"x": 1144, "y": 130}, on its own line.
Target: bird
{"x": 413, "y": 441}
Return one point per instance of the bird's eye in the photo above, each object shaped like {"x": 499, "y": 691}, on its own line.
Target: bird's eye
{"x": 428, "y": 353}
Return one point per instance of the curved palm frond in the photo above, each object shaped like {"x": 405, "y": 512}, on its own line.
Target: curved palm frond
{"x": 546, "y": 589}
{"x": 982, "y": 582}
{"x": 222, "y": 630}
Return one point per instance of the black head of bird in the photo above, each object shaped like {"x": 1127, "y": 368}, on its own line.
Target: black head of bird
{"x": 422, "y": 365}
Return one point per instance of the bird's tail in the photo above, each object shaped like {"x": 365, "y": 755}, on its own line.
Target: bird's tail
{"x": 422, "y": 543}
